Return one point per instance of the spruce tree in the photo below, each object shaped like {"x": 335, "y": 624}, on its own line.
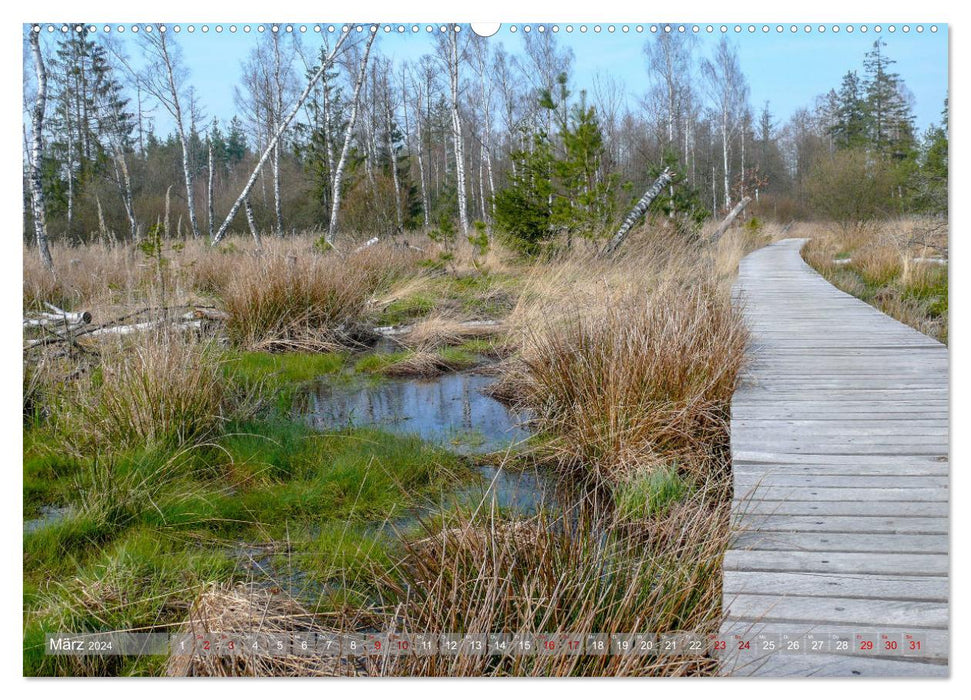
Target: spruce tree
{"x": 851, "y": 117}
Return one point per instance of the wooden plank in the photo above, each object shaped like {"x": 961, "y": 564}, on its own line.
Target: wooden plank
{"x": 896, "y": 587}
{"x": 934, "y": 645}
{"x": 850, "y": 524}
{"x": 844, "y": 611}
{"x": 775, "y": 458}
{"x": 821, "y": 480}
{"x": 925, "y": 470}
{"x": 844, "y": 542}
{"x": 865, "y": 511}
{"x": 841, "y": 493}
{"x": 830, "y": 666}
{"x": 837, "y": 562}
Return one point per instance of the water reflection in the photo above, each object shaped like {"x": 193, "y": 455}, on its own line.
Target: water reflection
{"x": 449, "y": 410}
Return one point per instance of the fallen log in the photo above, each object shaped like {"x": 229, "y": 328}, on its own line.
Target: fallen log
{"x": 71, "y": 320}
{"x": 367, "y": 244}
{"x": 195, "y": 318}
{"x": 392, "y": 331}
{"x": 637, "y": 212}
{"x": 727, "y": 221}
{"x": 145, "y": 326}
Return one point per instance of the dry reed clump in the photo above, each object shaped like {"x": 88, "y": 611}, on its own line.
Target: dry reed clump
{"x": 426, "y": 361}
{"x": 236, "y": 611}
{"x": 573, "y": 574}
{"x": 85, "y": 276}
{"x": 879, "y": 264}
{"x": 162, "y": 388}
{"x": 643, "y": 380}
{"x": 287, "y": 302}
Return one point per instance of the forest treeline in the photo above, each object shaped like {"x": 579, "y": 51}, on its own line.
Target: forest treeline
{"x": 470, "y": 138}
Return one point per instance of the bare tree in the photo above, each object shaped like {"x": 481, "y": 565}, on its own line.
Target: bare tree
{"x": 669, "y": 61}
{"x": 268, "y": 84}
{"x": 348, "y": 135}
{"x": 452, "y": 61}
{"x": 163, "y": 78}
{"x": 37, "y": 152}
{"x": 729, "y": 94}
{"x": 324, "y": 65}
{"x": 481, "y": 56}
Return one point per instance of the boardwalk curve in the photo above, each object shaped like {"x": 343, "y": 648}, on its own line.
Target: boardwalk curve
{"x": 840, "y": 457}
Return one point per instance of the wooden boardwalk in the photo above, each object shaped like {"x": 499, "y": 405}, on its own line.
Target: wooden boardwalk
{"x": 840, "y": 454}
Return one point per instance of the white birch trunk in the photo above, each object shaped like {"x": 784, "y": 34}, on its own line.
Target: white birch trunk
{"x": 121, "y": 167}
{"x": 728, "y": 199}
{"x": 389, "y": 123}
{"x": 37, "y": 153}
{"x": 457, "y": 130}
{"x": 723, "y": 226}
{"x": 209, "y": 192}
{"x": 636, "y": 213}
{"x": 332, "y": 225}
{"x": 183, "y": 140}
{"x": 421, "y": 157}
{"x": 251, "y": 221}
{"x": 277, "y": 204}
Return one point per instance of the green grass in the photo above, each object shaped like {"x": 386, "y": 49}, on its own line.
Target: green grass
{"x": 478, "y": 346}
{"x": 457, "y": 358}
{"x": 149, "y": 529}
{"x": 407, "y": 309}
{"x": 282, "y": 375}
{"x": 378, "y": 362}
{"x": 143, "y": 579}
{"x": 650, "y": 493}
{"x": 47, "y": 472}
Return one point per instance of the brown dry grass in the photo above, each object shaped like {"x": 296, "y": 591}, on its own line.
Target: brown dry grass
{"x": 632, "y": 361}
{"x": 440, "y": 330}
{"x": 891, "y": 266}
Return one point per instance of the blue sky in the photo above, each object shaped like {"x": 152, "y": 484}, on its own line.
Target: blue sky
{"x": 787, "y": 69}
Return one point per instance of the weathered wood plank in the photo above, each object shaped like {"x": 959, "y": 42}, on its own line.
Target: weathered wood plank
{"x": 837, "y": 561}
{"x": 934, "y": 645}
{"x": 848, "y": 611}
{"x": 845, "y": 542}
{"x": 925, "y": 588}
{"x": 827, "y": 494}
{"x": 829, "y": 666}
{"x": 779, "y": 521}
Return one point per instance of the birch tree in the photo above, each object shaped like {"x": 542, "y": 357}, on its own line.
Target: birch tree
{"x": 669, "y": 61}
{"x": 481, "y": 62}
{"x": 729, "y": 93}
{"x": 453, "y": 72}
{"x": 333, "y": 226}
{"x": 37, "y": 152}
{"x": 268, "y": 84}
{"x": 325, "y": 64}
{"x": 163, "y": 78}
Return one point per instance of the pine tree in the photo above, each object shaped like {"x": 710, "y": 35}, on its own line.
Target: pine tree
{"x": 522, "y": 209}
{"x": 583, "y": 195}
